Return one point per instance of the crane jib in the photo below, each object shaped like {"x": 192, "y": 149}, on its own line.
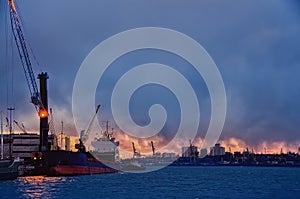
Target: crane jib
{"x": 24, "y": 56}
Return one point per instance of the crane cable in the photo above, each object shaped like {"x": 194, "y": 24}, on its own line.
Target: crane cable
{"x": 24, "y": 33}
{"x": 9, "y": 59}
{"x": 29, "y": 73}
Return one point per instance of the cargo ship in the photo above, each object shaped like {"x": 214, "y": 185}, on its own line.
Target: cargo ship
{"x": 82, "y": 162}
{"x": 64, "y": 163}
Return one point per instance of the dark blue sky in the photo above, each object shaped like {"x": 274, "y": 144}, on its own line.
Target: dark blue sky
{"x": 255, "y": 45}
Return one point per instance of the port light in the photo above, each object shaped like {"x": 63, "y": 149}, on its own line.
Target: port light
{"x": 43, "y": 113}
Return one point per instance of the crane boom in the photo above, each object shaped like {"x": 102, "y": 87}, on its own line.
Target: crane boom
{"x": 21, "y": 127}
{"x": 25, "y": 59}
{"x": 85, "y": 133}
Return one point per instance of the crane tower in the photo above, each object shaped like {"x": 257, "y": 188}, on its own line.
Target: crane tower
{"x": 38, "y": 99}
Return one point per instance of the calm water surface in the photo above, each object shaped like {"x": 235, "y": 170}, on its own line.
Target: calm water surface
{"x": 172, "y": 182}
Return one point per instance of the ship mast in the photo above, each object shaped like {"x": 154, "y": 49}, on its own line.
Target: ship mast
{"x": 61, "y": 134}
{"x": 2, "y": 143}
{"x": 106, "y": 134}
{"x": 10, "y": 130}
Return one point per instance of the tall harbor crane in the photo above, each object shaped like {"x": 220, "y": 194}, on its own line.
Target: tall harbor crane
{"x": 25, "y": 60}
{"x": 38, "y": 99}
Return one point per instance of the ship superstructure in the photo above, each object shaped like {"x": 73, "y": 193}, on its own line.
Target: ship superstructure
{"x": 105, "y": 147}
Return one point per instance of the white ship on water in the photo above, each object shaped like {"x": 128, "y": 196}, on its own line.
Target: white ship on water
{"x": 105, "y": 147}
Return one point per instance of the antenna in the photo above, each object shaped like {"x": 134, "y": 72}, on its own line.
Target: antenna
{"x": 106, "y": 134}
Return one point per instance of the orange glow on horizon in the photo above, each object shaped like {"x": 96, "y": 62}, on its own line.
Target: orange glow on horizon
{"x": 232, "y": 144}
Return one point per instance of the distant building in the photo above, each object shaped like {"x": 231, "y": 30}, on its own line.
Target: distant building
{"x": 185, "y": 151}
{"x": 237, "y": 154}
{"x": 189, "y": 151}
{"x": 23, "y": 145}
{"x": 298, "y": 150}
{"x": 168, "y": 155}
{"x": 217, "y": 150}
{"x": 73, "y": 140}
{"x": 67, "y": 144}
{"x": 203, "y": 152}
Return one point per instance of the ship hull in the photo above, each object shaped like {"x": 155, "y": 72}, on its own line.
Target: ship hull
{"x": 66, "y": 163}
{"x": 9, "y": 169}
{"x": 67, "y": 170}
{"x": 107, "y": 157}
{"x": 8, "y": 176}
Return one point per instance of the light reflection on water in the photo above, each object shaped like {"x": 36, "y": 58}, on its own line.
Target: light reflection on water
{"x": 40, "y": 186}
{"x": 170, "y": 182}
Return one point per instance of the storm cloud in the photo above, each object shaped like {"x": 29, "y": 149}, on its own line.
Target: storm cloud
{"x": 255, "y": 45}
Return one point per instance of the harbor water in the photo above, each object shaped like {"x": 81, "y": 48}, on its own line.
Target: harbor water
{"x": 170, "y": 182}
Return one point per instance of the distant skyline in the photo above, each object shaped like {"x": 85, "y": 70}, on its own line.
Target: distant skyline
{"x": 255, "y": 45}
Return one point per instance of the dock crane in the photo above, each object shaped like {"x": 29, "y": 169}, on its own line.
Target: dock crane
{"x": 134, "y": 149}
{"x": 154, "y": 154}
{"x": 21, "y": 127}
{"x": 54, "y": 145}
{"x": 135, "y": 153}
{"x": 153, "y": 148}
{"x": 51, "y": 123}
{"x": 84, "y": 134}
{"x": 38, "y": 99}
{"x": 25, "y": 59}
